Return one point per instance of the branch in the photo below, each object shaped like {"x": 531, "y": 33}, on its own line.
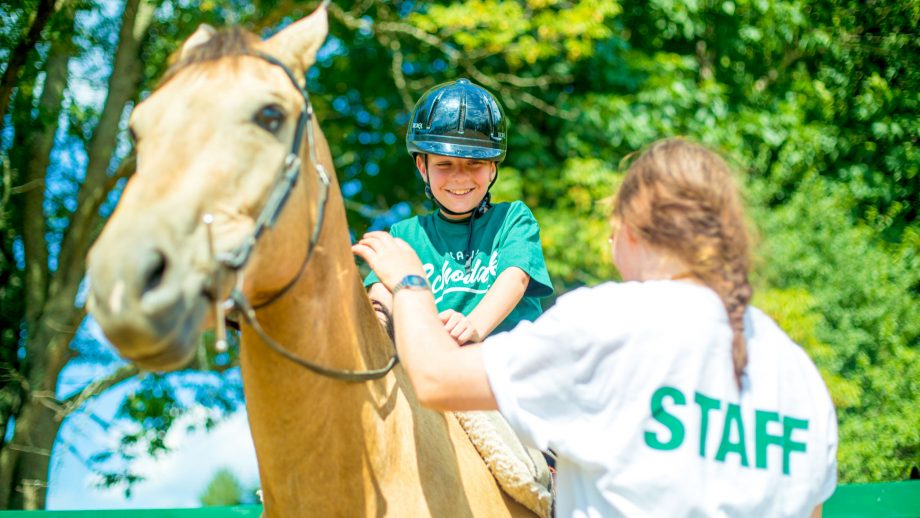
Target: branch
{"x": 18, "y": 56}
{"x": 9, "y": 373}
{"x": 125, "y": 169}
{"x": 365, "y": 210}
{"x": 790, "y": 57}
{"x": 509, "y": 95}
{"x": 430, "y": 39}
{"x": 541, "y": 82}
{"x": 97, "y": 387}
{"x": 396, "y": 69}
{"x": 7, "y": 185}
{"x": 39, "y": 144}
{"x": 455, "y": 56}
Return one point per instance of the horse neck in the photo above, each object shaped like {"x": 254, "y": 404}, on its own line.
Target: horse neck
{"x": 310, "y": 430}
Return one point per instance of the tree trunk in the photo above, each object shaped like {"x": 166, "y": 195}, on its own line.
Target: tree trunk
{"x": 25, "y": 460}
{"x": 33, "y": 167}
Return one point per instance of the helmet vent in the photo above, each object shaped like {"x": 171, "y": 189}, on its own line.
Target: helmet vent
{"x": 433, "y": 110}
{"x": 461, "y": 120}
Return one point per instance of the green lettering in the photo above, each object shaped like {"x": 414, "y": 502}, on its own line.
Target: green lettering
{"x": 706, "y": 404}
{"x": 732, "y": 420}
{"x": 763, "y": 439}
{"x": 789, "y": 425}
{"x": 670, "y": 421}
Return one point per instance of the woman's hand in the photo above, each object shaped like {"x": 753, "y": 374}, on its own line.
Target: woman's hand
{"x": 459, "y": 327}
{"x": 390, "y": 258}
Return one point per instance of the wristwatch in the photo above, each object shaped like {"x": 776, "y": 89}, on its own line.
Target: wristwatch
{"x": 411, "y": 282}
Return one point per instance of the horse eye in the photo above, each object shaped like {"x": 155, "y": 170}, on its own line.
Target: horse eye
{"x": 269, "y": 117}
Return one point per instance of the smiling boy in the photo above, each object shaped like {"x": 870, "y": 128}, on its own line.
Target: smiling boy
{"x": 483, "y": 262}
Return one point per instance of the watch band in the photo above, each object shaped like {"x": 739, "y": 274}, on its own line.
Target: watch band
{"x": 411, "y": 282}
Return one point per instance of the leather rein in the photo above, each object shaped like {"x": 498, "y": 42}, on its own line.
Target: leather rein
{"x": 236, "y": 259}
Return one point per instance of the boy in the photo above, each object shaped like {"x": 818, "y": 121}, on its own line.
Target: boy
{"x": 483, "y": 262}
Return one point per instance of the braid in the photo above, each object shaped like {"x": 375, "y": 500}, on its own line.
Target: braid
{"x": 736, "y": 300}
{"x": 736, "y": 265}
{"x": 680, "y": 197}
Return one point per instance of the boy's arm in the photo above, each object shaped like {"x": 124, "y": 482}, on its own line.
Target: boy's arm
{"x": 499, "y": 301}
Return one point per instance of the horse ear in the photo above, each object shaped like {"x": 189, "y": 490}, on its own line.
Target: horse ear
{"x": 297, "y": 44}
{"x": 202, "y": 35}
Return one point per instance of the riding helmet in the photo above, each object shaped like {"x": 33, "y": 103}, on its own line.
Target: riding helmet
{"x": 458, "y": 119}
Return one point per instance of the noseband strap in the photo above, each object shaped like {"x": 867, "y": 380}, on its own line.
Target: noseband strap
{"x": 235, "y": 260}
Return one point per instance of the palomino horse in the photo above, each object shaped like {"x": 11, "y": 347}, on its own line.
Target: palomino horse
{"x": 209, "y": 213}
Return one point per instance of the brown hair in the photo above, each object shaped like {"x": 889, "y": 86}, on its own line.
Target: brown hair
{"x": 681, "y": 198}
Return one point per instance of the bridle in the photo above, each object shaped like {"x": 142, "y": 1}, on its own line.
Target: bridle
{"x": 236, "y": 259}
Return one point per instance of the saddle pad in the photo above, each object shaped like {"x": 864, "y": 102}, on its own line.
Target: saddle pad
{"x": 521, "y": 472}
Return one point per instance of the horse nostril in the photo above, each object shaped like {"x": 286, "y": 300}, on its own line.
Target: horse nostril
{"x": 155, "y": 267}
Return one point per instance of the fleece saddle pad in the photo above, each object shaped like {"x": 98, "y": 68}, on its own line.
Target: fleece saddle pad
{"x": 520, "y": 471}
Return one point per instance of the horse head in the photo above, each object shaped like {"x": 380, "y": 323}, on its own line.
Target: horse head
{"x": 220, "y": 199}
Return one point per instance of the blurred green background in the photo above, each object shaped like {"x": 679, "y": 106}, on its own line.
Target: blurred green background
{"x": 814, "y": 103}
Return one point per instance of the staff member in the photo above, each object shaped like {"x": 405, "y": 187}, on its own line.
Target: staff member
{"x": 663, "y": 395}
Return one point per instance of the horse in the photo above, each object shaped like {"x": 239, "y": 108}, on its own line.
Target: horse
{"x": 232, "y": 204}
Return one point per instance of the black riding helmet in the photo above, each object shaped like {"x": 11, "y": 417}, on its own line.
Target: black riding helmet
{"x": 458, "y": 119}
{"x": 463, "y": 120}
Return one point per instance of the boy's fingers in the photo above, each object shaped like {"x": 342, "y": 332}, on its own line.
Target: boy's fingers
{"x": 455, "y": 319}
{"x": 458, "y": 330}
{"x": 465, "y": 335}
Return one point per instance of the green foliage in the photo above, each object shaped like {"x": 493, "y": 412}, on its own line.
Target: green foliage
{"x": 225, "y": 489}
{"x": 862, "y": 330}
{"x": 523, "y": 32}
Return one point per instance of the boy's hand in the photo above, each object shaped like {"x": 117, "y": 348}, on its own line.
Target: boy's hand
{"x": 389, "y": 257}
{"x": 459, "y": 327}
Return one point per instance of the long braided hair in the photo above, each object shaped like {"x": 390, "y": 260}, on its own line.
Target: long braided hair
{"x": 681, "y": 198}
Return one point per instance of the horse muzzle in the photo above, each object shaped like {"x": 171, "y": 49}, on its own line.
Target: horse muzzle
{"x": 146, "y": 305}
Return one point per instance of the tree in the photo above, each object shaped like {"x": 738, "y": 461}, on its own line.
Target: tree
{"x": 225, "y": 489}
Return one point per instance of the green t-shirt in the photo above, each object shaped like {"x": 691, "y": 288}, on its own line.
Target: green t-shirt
{"x": 506, "y": 235}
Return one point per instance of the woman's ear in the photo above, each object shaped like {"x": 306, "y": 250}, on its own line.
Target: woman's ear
{"x": 629, "y": 234}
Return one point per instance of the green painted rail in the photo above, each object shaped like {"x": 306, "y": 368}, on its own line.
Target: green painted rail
{"x": 241, "y": 511}
{"x": 889, "y": 499}
{"x": 884, "y": 499}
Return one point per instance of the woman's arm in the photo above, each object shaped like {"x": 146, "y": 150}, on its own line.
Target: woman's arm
{"x": 445, "y": 377}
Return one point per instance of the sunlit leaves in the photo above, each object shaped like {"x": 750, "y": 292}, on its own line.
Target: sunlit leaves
{"x": 523, "y": 32}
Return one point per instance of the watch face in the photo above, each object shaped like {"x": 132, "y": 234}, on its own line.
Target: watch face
{"x": 413, "y": 281}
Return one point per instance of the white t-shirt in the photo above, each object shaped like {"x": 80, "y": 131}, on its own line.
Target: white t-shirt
{"x": 632, "y": 385}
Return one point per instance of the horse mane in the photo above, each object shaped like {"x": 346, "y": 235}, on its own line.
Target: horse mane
{"x": 232, "y": 41}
